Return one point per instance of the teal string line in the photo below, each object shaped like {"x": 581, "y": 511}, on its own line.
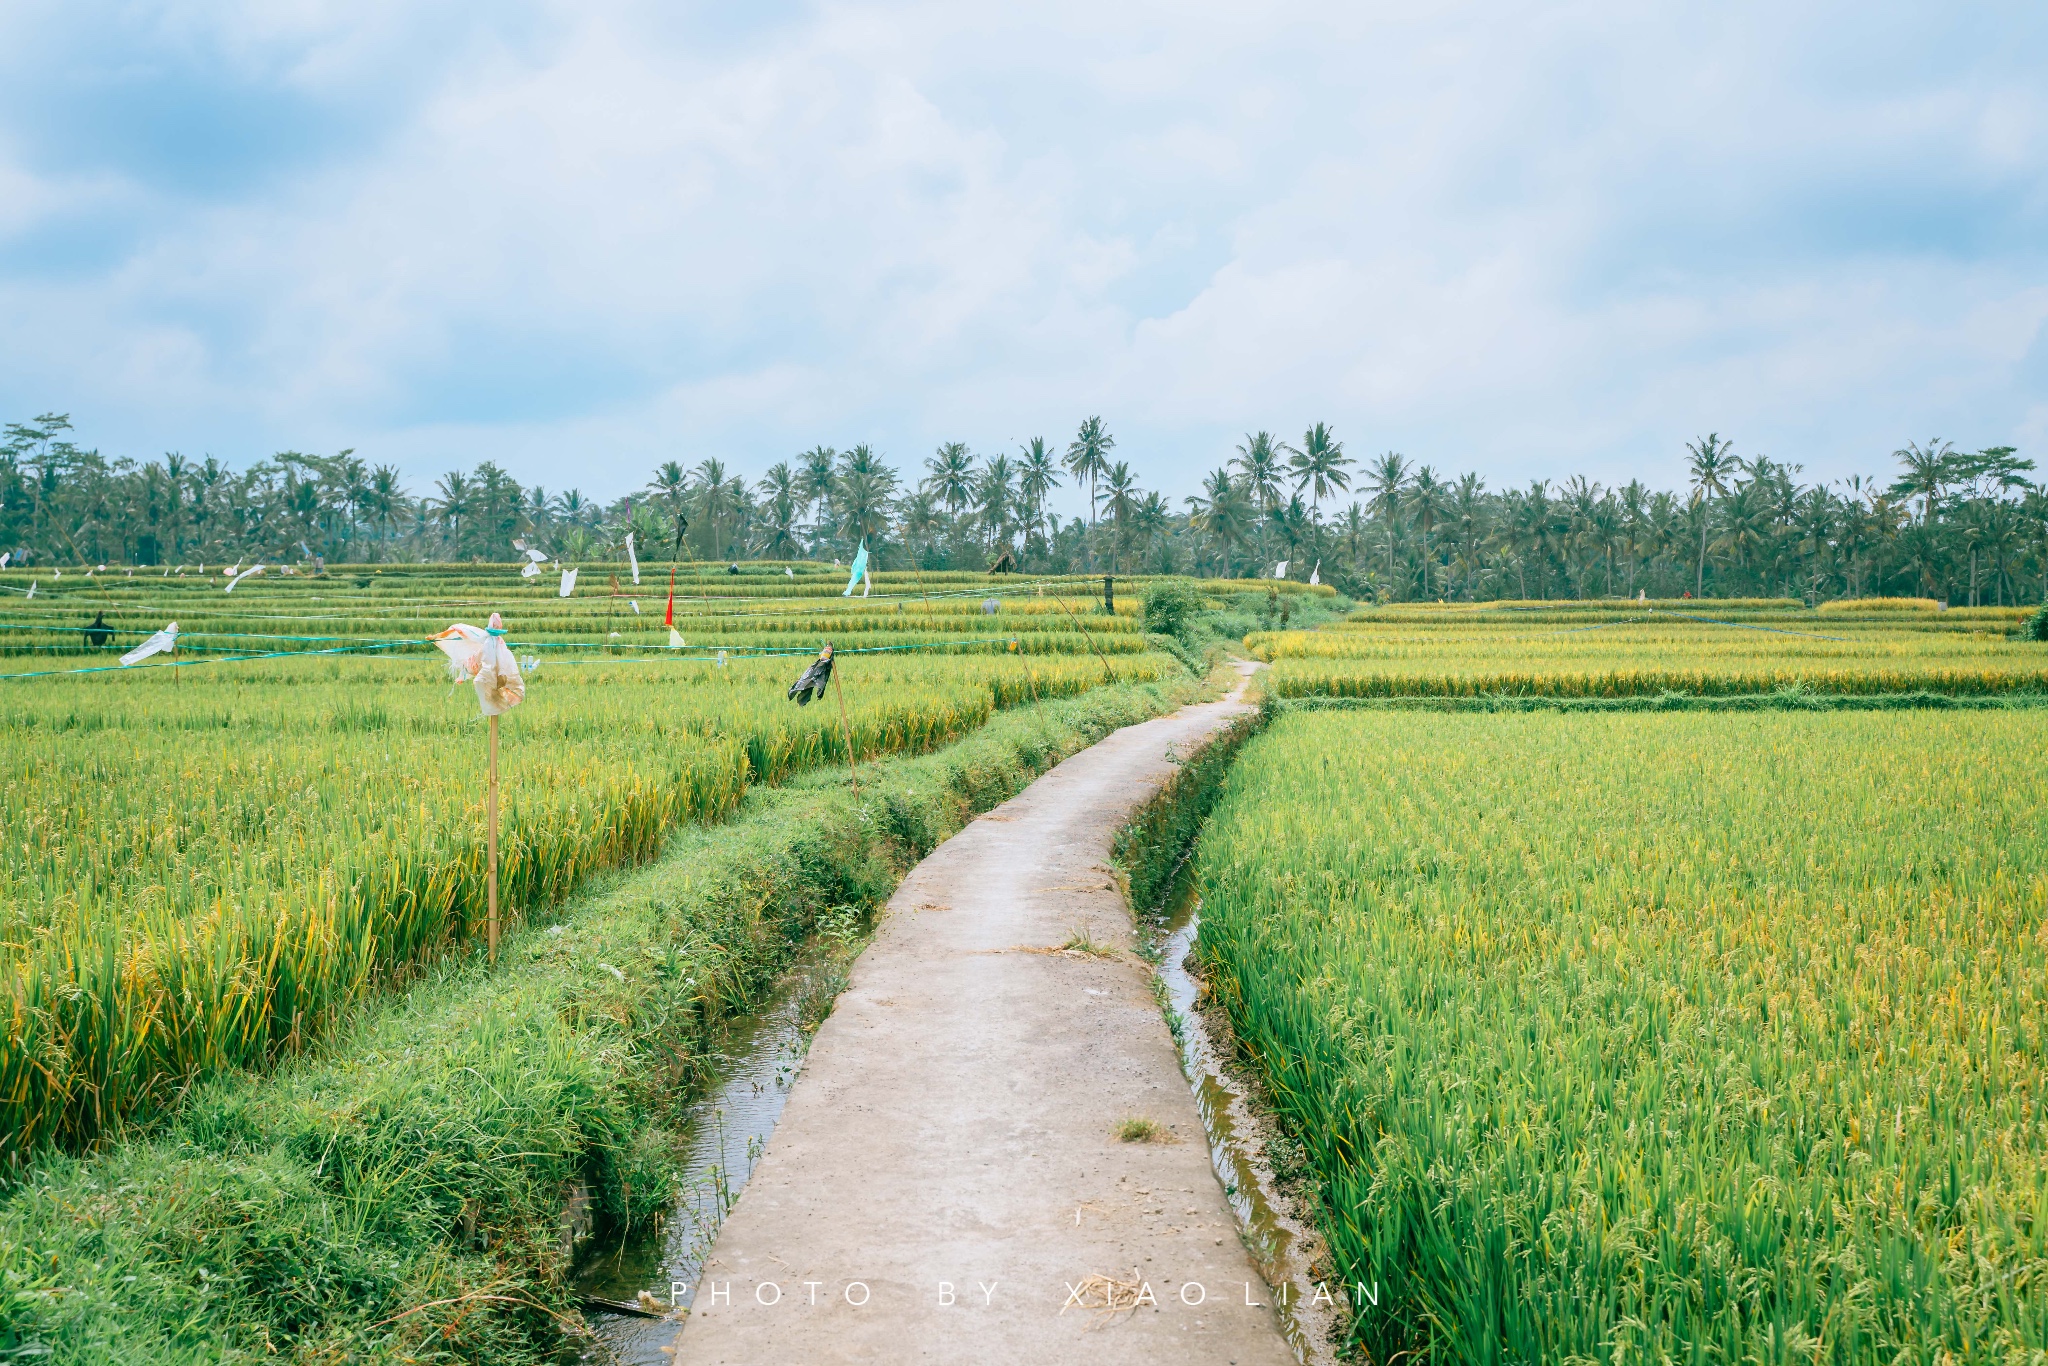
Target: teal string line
{"x": 657, "y": 654}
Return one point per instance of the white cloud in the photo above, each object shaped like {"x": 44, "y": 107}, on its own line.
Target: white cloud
{"x": 1523, "y": 239}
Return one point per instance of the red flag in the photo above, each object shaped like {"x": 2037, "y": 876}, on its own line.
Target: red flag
{"x": 670, "y": 619}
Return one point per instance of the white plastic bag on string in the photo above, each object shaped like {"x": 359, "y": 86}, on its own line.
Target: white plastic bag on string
{"x": 163, "y": 642}
{"x": 480, "y": 654}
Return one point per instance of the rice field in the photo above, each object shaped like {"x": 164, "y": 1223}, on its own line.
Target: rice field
{"x": 205, "y": 857}
{"x": 1600, "y": 651}
{"x": 1655, "y": 1037}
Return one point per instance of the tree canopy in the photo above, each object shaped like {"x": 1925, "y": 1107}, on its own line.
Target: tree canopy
{"x": 1967, "y": 526}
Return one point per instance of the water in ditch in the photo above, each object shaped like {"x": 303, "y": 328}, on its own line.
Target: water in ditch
{"x": 1280, "y": 1247}
{"x": 759, "y": 1058}
{"x": 726, "y": 1132}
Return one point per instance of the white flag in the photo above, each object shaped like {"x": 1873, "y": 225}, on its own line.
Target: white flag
{"x": 534, "y": 556}
{"x": 636, "y": 605}
{"x": 634, "y": 560}
{"x": 788, "y": 573}
{"x": 5, "y": 558}
{"x": 1315, "y": 576}
{"x": 31, "y": 589}
{"x": 252, "y": 569}
{"x": 675, "y": 639}
{"x": 1280, "y": 570}
{"x": 568, "y": 582}
{"x": 162, "y": 642}
{"x": 532, "y": 571}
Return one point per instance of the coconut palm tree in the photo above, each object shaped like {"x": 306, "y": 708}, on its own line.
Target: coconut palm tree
{"x": 1319, "y": 464}
{"x": 451, "y": 507}
{"x": 1222, "y": 512}
{"x": 951, "y": 475}
{"x": 864, "y": 495}
{"x": 1929, "y": 469}
{"x": 995, "y": 497}
{"x": 1120, "y": 501}
{"x": 1088, "y": 458}
{"x": 1389, "y": 479}
{"x": 1261, "y": 469}
{"x": 1428, "y": 499}
{"x": 921, "y": 522}
{"x": 719, "y": 501}
{"x": 815, "y": 473}
{"x": 1711, "y": 464}
{"x": 1037, "y": 476}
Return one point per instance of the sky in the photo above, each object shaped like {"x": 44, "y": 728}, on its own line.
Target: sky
{"x": 1527, "y": 240}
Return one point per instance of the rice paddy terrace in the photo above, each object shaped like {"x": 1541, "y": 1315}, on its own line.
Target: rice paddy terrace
{"x": 1690, "y": 1005}
{"x": 210, "y": 852}
{"x": 1652, "y": 979}
{"x": 1631, "y": 650}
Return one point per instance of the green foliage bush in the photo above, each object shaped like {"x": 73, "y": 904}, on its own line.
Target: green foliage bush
{"x": 1171, "y": 608}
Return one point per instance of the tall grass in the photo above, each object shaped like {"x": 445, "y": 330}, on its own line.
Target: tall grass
{"x": 1656, "y": 1037}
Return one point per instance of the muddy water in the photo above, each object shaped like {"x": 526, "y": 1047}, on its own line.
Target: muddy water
{"x": 726, "y": 1132}
{"x": 1280, "y": 1247}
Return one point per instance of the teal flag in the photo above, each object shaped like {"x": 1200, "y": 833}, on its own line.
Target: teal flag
{"x": 860, "y": 570}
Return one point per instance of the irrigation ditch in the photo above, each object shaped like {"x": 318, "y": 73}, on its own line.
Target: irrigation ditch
{"x": 1263, "y": 1169}
{"x": 638, "y": 1291}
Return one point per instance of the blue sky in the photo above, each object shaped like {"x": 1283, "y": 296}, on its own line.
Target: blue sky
{"x": 1528, "y": 240}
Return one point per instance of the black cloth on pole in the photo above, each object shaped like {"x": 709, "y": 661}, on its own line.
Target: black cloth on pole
{"x": 813, "y": 680}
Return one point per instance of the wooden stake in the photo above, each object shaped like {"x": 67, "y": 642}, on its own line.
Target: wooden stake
{"x": 491, "y": 805}
{"x": 1108, "y": 674}
{"x": 846, "y": 730}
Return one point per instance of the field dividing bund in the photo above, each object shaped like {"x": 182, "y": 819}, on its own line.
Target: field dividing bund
{"x": 1655, "y": 1036}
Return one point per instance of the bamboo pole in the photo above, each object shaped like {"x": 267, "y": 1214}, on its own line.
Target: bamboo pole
{"x": 491, "y": 877}
{"x": 846, "y": 730}
{"x": 1108, "y": 674}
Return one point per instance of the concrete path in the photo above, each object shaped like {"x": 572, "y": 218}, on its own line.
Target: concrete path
{"x": 947, "y": 1184}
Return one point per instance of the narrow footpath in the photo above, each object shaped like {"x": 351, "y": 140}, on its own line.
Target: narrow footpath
{"x": 947, "y": 1182}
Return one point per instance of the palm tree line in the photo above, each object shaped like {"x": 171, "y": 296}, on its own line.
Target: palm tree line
{"x": 1965, "y": 526}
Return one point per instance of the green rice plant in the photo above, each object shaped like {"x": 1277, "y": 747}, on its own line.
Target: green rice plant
{"x": 1637, "y": 657}
{"x": 203, "y": 865}
{"x": 1655, "y": 1037}
{"x": 1846, "y": 605}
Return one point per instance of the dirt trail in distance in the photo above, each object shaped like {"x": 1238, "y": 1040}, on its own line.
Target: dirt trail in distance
{"x": 947, "y": 1183}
